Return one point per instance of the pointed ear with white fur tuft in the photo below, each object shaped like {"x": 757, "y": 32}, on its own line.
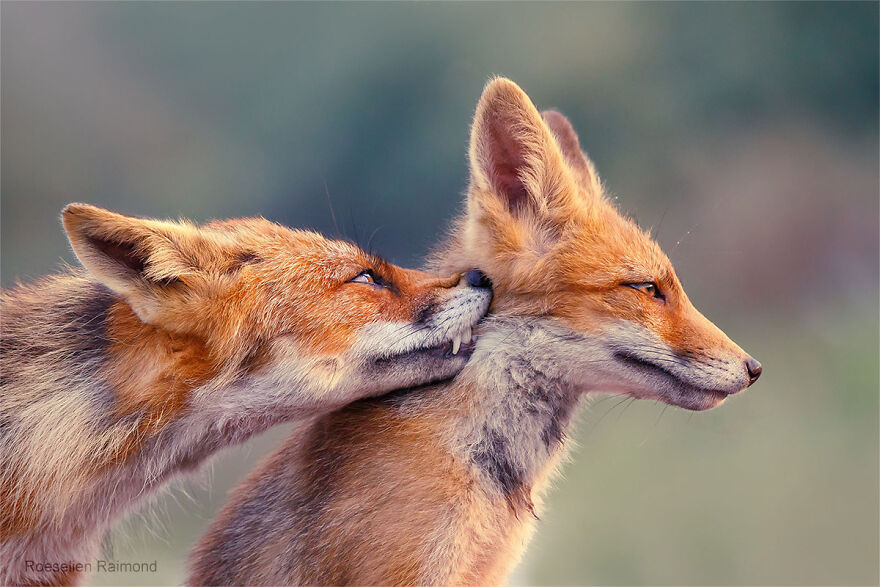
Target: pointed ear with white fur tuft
{"x": 136, "y": 258}
{"x": 513, "y": 154}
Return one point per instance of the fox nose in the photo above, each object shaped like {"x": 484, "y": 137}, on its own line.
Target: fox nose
{"x": 754, "y": 368}
{"x": 476, "y": 278}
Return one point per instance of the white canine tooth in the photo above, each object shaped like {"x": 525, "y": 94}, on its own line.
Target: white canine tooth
{"x": 466, "y": 337}
{"x": 456, "y": 342}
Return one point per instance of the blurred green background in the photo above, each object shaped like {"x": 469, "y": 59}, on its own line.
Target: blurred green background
{"x": 745, "y": 133}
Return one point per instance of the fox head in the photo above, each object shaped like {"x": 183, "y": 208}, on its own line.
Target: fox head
{"x": 556, "y": 249}
{"x": 248, "y": 303}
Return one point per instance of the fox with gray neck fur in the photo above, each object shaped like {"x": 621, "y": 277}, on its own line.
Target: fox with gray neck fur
{"x": 181, "y": 340}
{"x": 448, "y": 493}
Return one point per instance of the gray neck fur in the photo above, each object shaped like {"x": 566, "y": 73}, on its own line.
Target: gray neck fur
{"x": 523, "y": 405}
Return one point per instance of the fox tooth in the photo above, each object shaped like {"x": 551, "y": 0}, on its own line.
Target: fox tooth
{"x": 456, "y": 342}
{"x": 466, "y": 337}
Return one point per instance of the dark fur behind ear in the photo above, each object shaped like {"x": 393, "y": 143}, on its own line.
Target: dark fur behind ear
{"x": 567, "y": 139}
{"x": 570, "y": 145}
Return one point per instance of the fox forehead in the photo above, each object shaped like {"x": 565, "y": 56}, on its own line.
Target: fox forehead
{"x": 285, "y": 251}
{"x": 610, "y": 249}
{"x": 292, "y": 283}
{"x": 597, "y": 248}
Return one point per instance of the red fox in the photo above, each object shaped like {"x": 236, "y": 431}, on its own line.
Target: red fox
{"x": 449, "y": 491}
{"x": 180, "y": 340}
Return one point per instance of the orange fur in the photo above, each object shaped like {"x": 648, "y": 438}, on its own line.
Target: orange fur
{"x": 449, "y": 492}
{"x": 181, "y": 340}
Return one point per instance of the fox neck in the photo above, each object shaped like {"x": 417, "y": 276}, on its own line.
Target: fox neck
{"x": 175, "y": 387}
{"x": 187, "y": 406}
{"x": 523, "y": 407}
{"x": 135, "y": 404}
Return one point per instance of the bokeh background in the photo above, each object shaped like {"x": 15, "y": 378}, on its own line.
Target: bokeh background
{"x": 746, "y": 134}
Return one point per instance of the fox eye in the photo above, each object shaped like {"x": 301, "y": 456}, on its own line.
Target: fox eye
{"x": 365, "y": 276}
{"x": 647, "y": 287}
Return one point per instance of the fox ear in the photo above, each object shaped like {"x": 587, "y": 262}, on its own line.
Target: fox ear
{"x": 137, "y": 258}
{"x": 513, "y": 154}
{"x": 578, "y": 162}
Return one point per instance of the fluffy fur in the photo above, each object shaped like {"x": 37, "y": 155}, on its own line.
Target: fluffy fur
{"x": 181, "y": 340}
{"x": 448, "y": 491}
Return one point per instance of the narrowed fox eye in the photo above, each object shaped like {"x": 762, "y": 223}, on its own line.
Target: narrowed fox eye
{"x": 647, "y": 287}
{"x": 365, "y": 276}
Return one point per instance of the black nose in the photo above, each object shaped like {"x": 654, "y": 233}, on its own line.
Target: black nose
{"x": 754, "y": 368}
{"x": 476, "y": 278}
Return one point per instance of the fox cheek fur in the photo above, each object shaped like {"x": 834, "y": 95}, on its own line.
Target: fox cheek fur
{"x": 430, "y": 341}
{"x": 539, "y": 223}
{"x": 180, "y": 340}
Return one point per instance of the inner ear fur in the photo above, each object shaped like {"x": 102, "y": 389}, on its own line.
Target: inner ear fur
{"x": 513, "y": 154}
{"x": 135, "y": 257}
